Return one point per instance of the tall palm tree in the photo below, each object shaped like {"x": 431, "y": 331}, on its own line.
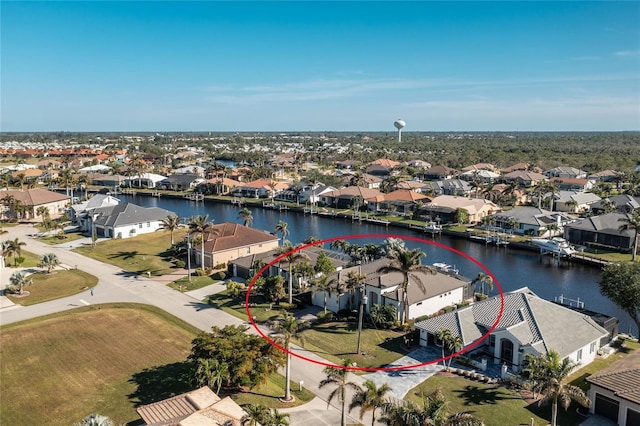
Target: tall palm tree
{"x": 354, "y": 281}
{"x": 407, "y": 262}
{"x": 454, "y": 344}
{"x": 246, "y": 216}
{"x": 13, "y": 248}
{"x": 632, "y": 221}
{"x": 443, "y": 335}
{"x": 19, "y": 280}
{"x": 369, "y": 398}
{"x": 338, "y": 377}
{"x": 200, "y": 225}
{"x": 288, "y": 327}
{"x": 256, "y": 415}
{"x": 483, "y": 279}
{"x": 171, "y": 223}
{"x": 212, "y": 373}
{"x": 329, "y": 286}
{"x": 276, "y": 418}
{"x": 550, "y": 383}
{"x": 9, "y": 201}
{"x": 292, "y": 257}
{"x": 283, "y": 228}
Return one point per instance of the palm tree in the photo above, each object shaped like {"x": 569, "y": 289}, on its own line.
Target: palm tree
{"x": 483, "y": 279}
{"x": 19, "y": 280}
{"x": 632, "y": 221}
{"x": 369, "y": 398}
{"x": 256, "y": 415}
{"x": 454, "y": 344}
{"x": 49, "y": 261}
{"x": 550, "y": 383}
{"x": 288, "y": 327}
{"x": 171, "y": 223}
{"x": 95, "y": 420}
{"x": 212, "y": 373}
{"x": 292, "y": 257}
{"x": 246, "y": 216}
{"x": 282, "y": 228}
{"x": 443, "y": 335}
{"x": 324, "y": 283}
{"x": 338, "y": 377}
{"x": 407, "y": 262}
{"x": 13, "y": 248}
{"x": 277, "y": 418}
{"x": 200, "y": 225}
{"x": 353, "y": 281}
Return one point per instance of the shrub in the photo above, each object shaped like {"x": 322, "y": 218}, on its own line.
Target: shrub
{"x": 180, "y": 264}
{"x": 462, "y": 304}
{"x": 287, "y": 306}
{"x": 219, "y": 276}
{"x": 201, "y": 272}
{"x": 324, "y": 317}
{"x": 448, "y": 308}
{"x": 345, "y": 315}
{"x": 221, "y": 266}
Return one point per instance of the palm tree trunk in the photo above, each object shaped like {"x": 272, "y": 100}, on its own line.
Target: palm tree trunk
{"x": 554, "y": 411}
{"x": 202, "y": 251}
{"x": 287, "y": 385}
{"x": 343, "y": 421}
{"x": 635, "y": 247}
{"x": 290, "y": 284}
{"x": 325, "y": 302}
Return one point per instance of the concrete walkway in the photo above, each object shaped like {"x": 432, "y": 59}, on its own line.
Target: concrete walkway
{"x": 117, "y": 285}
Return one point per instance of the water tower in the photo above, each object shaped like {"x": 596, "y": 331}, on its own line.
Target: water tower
{"x": 399, "y": 123}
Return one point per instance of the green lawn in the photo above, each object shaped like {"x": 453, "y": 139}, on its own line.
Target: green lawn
{"x": 197, "y": 282}
{"x": 337, "y": 341}
{"x": 59, "y": 368}
{"x": 31, "y": 260}
{"x": 60, "y": 238}
{"x": 57, "y": 284}
{"x": 260, "y": 311}
{"x": 141, "y": 254}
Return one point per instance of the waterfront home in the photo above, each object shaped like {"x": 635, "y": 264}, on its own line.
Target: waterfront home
{"x": 566, "y": 172}
{"x": 344, "y": 198}
{"x": 615, "y": 391}
{"x": 303, "y": 193}
{"x": 80, "y": 213}
{"x": 440, "y": 290}
{"x": 31, "y": 200}
{"x": 201, "y": 407}
{"x": 601, "y": 231}
{"x": 623, "y": 203}
{"x": 529, "y": 220}
{"x": 575, "y": 201}
{"x": 447, "y": 206}
{"x": 126, "y": 220}
{"x": 401, "y": 201}
{"x": 218, "y": 186}
{"x": 144, "y": 180}
{"x": 528, "y": 325}
{"x": 524, "y": 177}
{"x": 180, "y": 182}
{"x": 110, "y": 181}
{"x": 260, "y": 188}
{"x": 458, "y": 187}
{"x": 229, "y": 241}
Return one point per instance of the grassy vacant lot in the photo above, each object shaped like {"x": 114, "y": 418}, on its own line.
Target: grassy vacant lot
{"x": 338, "y": 341}
{"x": 60, "y": 238}
{"x": 261, "y": 311}
{"x": 105, "y": 358}
{"x": 57, "y": 284}
{"x": 31, "y": 260}
{"x": 142, "y": 254}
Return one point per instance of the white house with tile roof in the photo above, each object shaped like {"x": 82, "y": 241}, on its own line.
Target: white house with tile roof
{"x": 127, "y": 220}
{"x": 528, "y": 325}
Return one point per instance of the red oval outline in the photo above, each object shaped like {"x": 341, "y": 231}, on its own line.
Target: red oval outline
{"x": 371, "y": 369}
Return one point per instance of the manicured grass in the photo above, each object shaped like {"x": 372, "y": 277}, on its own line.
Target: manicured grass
{"x": 260, "y": 311}
{"x": 269, "y": 394}
{"x": 31, "y": 260}
{"x": 197, "y": 282}
{"x": 57, "y": 284}
{"x": 141, "y": 254}
{"x": 610, "y": 256}
{"x": 104, "y": 358}
{"x": 337, "y": 341}
{"x": 60, "y": 238}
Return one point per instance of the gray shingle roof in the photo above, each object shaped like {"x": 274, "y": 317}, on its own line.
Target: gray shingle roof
{"x": 128, "y": 214}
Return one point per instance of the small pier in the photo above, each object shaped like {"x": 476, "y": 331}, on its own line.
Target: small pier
{"x": 196, "y": 196}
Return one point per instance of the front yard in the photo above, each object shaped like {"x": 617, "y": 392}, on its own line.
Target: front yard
{"x": 55, "y": 285}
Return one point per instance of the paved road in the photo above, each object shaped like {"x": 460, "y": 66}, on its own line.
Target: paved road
{"x": 116, "y": 285}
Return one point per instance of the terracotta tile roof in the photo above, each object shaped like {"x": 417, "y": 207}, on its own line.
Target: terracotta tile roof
{"x": 227, "y": 236}
{"x": 354, "y": 191}
{"x": 36, "y": 196}
{"x": 578, "y": 181}
{"x": 385, "y": 162}
{"x": 402, "y": 195}
{"x": 622, "y": 378}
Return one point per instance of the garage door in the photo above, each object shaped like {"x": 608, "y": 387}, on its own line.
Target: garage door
{"x": 607, "y": 407}
{"x": 633, "y": 417}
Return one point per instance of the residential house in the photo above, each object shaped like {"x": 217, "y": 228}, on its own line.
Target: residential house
{"x": 27, "y": 176}
{"x": 440, "y": 290}
{"x": 110, "y": 181}
{"x": 480, "y": 175}
{"x": 32, "y": 199}
{"x": 401, "y": 201}
{"x": 80, "y": 213}
{"x": 437, "y": 173}
{"x": 458, "y": 187}
{"x": 228, "y": 241}
{"x": 601, "y": 231}
{"x": 418, "y": 164}
{"x": 515, "y": 167}
{"x": 446, "y": 206}
{"x": 127, "y": 220}
{"x": 566, "y": 172}
{"x": 575, "y": 201}
{"x": 572, "y": 184}
{"x": 528, "y": 325}
{"x": 605, "y": 176}
{"x": 344, "y": 198}
{"x": 615, "y": 391}
{"x": 413, "y": 185}
{"x": 260, "y": 188}
{"x": 623, "y": 203}
{"x": 200, "y": 407}
{"x": 218, "y": 186}
{"x": 180, "y": 182}
{"x": 381, "y": 167}
{"x": 524, "y": 178}
{"x": 518, "y": 195}
{"x": 480, "y": 166}
{"x": 529, "y": 220}
{"x": 96, "y": 168}
{"x": 304, "y": 193}
{"x": 145, "y": 180}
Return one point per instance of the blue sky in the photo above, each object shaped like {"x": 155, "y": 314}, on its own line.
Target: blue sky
{"x": 319, "y": 66}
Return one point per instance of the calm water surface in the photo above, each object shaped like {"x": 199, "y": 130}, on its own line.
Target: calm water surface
{"x": 512, "y": 268}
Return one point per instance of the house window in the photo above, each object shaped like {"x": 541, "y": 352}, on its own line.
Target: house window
{"x": 592, "y": 348}
{"x": 492, "y": 340}
{"x": 148, "y": 224}
{"x": 140, "y": 225}
{"x": 579, "y": 355}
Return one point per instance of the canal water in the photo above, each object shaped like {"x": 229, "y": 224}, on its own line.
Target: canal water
{"x": 513, "y": 268}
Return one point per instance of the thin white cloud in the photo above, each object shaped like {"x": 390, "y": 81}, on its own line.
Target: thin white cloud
{"x": 627, "y": 53}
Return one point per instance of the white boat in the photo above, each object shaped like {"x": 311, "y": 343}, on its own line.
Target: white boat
{"x": 446, "y": 268}
{"x": 555, "y": 245}
{"x": 432, "y": 227}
